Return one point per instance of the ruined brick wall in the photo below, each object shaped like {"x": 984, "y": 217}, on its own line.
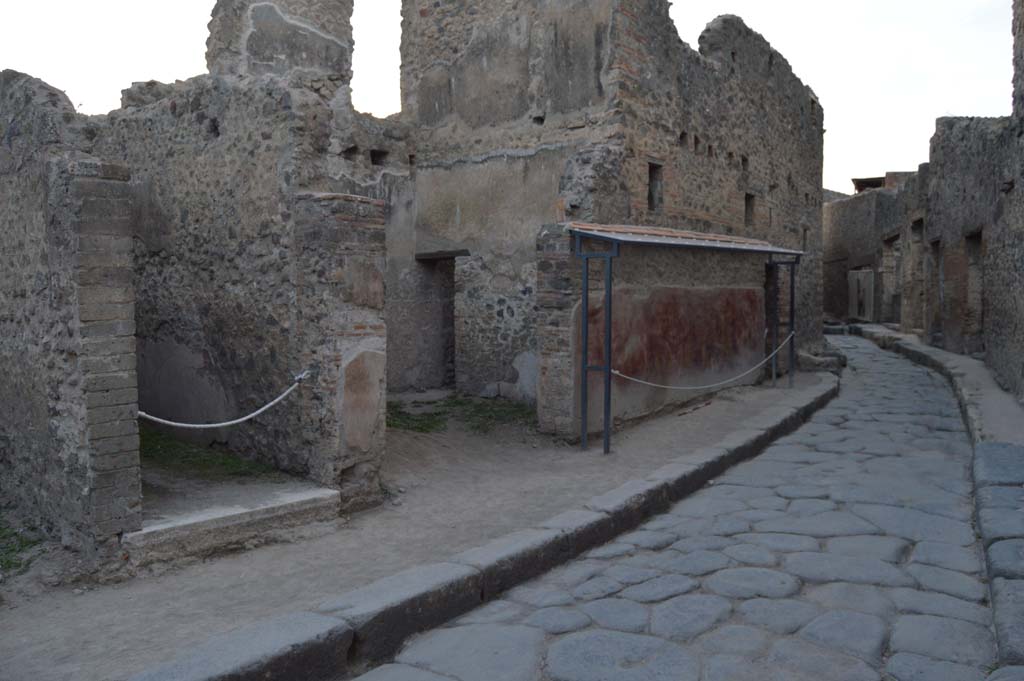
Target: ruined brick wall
{"x": 733, "y": 136}
{"x": 680, "y": 317}
{"x": 69, "y": 456}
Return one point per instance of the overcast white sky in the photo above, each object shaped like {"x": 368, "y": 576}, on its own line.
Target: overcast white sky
{"x": 883, "y": 69}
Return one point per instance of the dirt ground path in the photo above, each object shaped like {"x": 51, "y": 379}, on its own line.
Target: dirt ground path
{"x": 461, "y": 490}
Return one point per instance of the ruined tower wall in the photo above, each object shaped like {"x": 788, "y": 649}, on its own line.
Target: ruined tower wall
{"x": 735, "y": 135}
{"x": 503, "y": 96}
{"x": 69, "y": 456}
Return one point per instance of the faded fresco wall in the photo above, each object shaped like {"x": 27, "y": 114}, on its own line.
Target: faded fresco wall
{"x": 680, "y": 317}
{"x": 69, "y": 457}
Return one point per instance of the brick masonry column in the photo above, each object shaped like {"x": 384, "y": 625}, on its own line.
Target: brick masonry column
{"x": 102, "y": 219}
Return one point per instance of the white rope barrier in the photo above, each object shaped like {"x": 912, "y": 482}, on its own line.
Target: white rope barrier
{"x": 715, "y": 385}
{"x": 209, "y": 426}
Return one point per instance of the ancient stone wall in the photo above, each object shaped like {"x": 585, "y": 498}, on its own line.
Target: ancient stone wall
{"x": 502, "y": 96}
{"x": 69, "y": 456}
{"x": 526, "y": 115}
{"x": 725, "y": 140}
{"x": 261, "y": 243}
{"x": 680, "y": 317}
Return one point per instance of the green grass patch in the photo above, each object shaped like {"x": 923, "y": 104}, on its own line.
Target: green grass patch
{"x": 429, "y": 422}
{"x": 480, "y": 415}
{"x": 160, "y": 450}
{"x": 12, "y": 544}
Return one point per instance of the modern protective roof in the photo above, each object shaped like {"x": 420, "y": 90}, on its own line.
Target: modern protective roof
{"x": 661, "y": 236}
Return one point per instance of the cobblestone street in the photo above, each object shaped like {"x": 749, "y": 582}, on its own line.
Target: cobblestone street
{"x": 845, "y": 552}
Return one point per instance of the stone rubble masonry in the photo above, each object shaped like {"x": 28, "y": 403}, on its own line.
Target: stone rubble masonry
{"x": 368, "y": 625}
{"x": 577, "y": 101}
{"x": 999, "y": 483}
{"x": 68, "y": 430}
{"x": 681, "y": 317}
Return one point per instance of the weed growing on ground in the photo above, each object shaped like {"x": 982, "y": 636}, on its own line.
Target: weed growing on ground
{"x": 480, "y": 415}
{"x": 12, "y": 544}
{"x": 160, "y": 450}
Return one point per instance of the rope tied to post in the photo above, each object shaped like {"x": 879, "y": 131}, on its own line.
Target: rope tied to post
{"x": 760, "y": 364}
{"x": 299, "y": 378}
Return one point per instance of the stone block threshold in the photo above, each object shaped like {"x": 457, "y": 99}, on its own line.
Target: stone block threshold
{"x": 192, "y": 517}
{"x": 347, "y": 633}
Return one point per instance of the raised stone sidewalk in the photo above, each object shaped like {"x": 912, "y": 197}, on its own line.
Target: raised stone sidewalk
{"x": 368, "y": 625}
{"x": 996, "y": 425}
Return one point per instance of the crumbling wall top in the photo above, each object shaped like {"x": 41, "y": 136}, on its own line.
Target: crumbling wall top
{"x": 255, "y": 37}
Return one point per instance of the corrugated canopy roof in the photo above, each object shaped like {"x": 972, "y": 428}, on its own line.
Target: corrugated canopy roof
{"x": 660, "y": 236}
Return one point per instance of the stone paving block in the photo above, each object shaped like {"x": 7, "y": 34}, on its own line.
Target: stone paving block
{"x": 1008, "y": 613}
{"x": 889, "y": 549}
{"x": 685, "y": 617}
{"x": 281, "y": 648}
{"x": 998, "y": 463}
{"x": 789, "y": 543}
{"x": 855, "y": 633}
{"x": 1000, "y": 497}
{"x": 631, "y": 575}
{"x": 959, "y": 558}
{"x": 694, "y": 564}
{"x": 952, "y": 583}
{"x": 702, "y": 506}
{"x": 1006, "y": 559}
{"x": 916, "y": 525}
{"x": 515, "y": 558}
{"x": 831, "y": 524}
{"x": 735, "y": 639}
{"x": 814, "y": 662}
{"x": 384, "y": 613}
{"x": 910, "y": 667}
{"x": 995, "y": 524}
{"x": 732, "y": 668}
{"x": 752, "y": 583}
{"x": 871, "y": 600}
{"x": 400, "y": 672}
{"x": 648, "y": 539}
{"x": 824, "y": 567}
{"x": 751, "y": 554}
{"x": 617, "y": 614}
{"x": 479, "y": 652}
{"x": 1008, "y": 674}
{"x": 929, "y": 603}
{"x": 558, "y": 620}
{"x": 782, "y": 616}
{"x": 598, "y": 587}
{"x": 943, "y": 638}
{"x": 606, "y": 655}
{"x": 660, "y": 589}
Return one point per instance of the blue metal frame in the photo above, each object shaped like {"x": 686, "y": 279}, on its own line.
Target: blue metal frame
{"x": 606, "y": 368}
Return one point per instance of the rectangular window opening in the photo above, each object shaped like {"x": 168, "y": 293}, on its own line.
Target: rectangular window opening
{"x": 749, "y": 206}
{"x": 378, "y": 157}
{"x": 655, "y": 187}
{"x": 745, "y": 162}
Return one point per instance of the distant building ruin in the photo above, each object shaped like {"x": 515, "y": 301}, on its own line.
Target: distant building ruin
{"x": 193, "y": 250}
{"x": 940, "y": 252}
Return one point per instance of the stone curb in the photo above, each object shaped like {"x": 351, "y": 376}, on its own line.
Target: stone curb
{"x": 368, "y": 625}
{"x": 998, "y": 470}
